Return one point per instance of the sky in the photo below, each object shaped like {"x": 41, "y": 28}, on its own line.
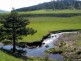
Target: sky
{"x": 8, "y": 4}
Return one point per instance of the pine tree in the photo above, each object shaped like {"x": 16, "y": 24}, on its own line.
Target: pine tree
{"x": 14, "y": 27}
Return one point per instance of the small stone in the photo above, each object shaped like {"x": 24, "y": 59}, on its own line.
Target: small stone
{"x": 47, "y": 46}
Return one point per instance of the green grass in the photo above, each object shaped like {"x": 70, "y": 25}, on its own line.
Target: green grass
{"x": 6, "y": 57}
{"x": 67, "y": 11}
{"x": 44, "y": 25}
{"x": 51, "y": 12}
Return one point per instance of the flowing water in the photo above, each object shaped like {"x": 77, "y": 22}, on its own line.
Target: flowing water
{"x": 40, "y": 51}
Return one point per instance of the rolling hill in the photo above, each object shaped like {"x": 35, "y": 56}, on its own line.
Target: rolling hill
{"x": 55, "y": 5}
{"x": 3, "y": 11}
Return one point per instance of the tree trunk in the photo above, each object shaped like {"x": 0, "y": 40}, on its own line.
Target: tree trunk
{"x": 13, "y": 38}
{"x": 14, "y": 47}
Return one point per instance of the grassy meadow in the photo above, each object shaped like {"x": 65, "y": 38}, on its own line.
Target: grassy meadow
{"x": 44, "y": 25}
{"x": 49, "y": 11}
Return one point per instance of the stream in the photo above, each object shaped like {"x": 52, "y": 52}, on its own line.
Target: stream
{"x": 40, "y": 51}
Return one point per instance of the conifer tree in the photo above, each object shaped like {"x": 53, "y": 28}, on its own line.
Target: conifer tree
{"x": 14, "y": 27}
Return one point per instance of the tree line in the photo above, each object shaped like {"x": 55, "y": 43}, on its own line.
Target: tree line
{"x": 53, "y": 4}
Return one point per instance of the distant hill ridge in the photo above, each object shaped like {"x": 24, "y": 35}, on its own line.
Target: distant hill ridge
{"x": 3, "y": 11}
{"x": 59, "y": 4}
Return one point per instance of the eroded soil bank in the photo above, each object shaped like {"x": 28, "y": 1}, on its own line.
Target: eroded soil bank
{"x": 68, "y": 45}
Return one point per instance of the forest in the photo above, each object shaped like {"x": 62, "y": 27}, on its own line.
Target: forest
{"x": 54, "y": 5}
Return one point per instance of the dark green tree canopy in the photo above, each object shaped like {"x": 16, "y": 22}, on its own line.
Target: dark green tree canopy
{"x": 14, "y": 21}
{"x": 13, "y": 27}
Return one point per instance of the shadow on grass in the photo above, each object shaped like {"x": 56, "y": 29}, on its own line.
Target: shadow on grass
{"x": 17, "y": 54}
{"x": 52, "y": 15}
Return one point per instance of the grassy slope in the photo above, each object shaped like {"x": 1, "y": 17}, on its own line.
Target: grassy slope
{"x": 51, "y": 12}
{"x": 6, "y": 57}
{"x": 46, "y": 24}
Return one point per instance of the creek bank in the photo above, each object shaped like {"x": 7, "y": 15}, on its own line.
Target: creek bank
{"x": 69, "y": 44}
{"x": 41, "y": 42}
{"x": 48, "y": 42}
{"x": 1, "y": 44}
{"x": 54, "y": 51}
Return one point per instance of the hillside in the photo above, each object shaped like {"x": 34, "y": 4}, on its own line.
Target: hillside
{"x": 51, "y": 20}
{"x": 51, "y": 13}
{"x": 3, "y": 11}
{"x": 61, "y": 4}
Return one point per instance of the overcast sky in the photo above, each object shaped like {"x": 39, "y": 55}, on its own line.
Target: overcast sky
{"x": 8, "y": 4}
